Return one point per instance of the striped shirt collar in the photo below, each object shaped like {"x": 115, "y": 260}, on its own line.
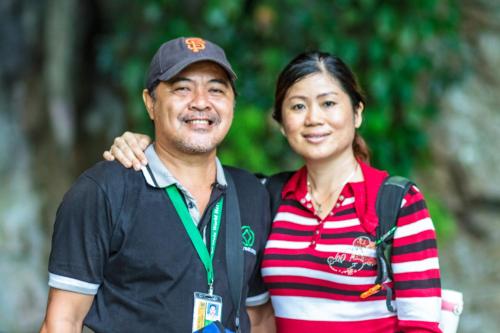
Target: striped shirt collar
{"x": 365, "y": 192}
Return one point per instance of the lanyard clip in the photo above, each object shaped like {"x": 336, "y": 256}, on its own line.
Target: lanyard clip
{"x": 373, "y": 290}
{"x": 211, "y": 289}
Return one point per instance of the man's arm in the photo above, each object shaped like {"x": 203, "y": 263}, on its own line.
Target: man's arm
{"x": 262, "y": 318}
{"x": 65, "y": 311}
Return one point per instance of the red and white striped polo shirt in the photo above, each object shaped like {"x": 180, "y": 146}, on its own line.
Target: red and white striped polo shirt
{"x": 316, "y": 269}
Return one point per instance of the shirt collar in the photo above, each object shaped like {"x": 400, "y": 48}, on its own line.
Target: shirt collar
{"x": 296, "y": 186}
{"x": 157, "y": 175}
{"x": 365, "y": 192}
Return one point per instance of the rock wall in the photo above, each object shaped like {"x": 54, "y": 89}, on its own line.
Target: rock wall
{"x": 465, "y": 144}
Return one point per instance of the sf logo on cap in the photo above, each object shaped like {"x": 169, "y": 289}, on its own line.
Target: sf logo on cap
{"x": 195, "y": 44}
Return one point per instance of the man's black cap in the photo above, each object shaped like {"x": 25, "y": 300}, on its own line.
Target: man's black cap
{"x": 176, "y": 54}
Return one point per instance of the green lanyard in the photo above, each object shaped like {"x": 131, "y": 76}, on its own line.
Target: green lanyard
{"x": 194, "y": 234}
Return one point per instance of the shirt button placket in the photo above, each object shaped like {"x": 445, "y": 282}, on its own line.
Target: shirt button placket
{"x": 317, "y": 234}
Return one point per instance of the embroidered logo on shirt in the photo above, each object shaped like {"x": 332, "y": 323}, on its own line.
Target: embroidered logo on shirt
{"x": 247, "y": 235}
{"x": 248, "y": 239}
{"x": 356, "y": 260}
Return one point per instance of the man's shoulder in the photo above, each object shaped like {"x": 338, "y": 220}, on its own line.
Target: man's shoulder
{"x": 110, "y": 175}
{"x": 105, "y": 168}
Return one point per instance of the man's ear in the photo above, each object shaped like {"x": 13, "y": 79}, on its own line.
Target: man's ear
{"x": 358, "y": 115}
{"x": 149, "y": 103}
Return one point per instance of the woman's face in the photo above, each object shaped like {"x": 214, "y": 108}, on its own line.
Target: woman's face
{"x": 318, "y": 118}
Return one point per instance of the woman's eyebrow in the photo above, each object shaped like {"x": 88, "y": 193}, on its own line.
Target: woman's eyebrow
{"x": 326, "y": 94}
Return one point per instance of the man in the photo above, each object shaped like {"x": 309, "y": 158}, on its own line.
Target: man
{"x": 124, "y": 255}
{"x": 212, "y": 312}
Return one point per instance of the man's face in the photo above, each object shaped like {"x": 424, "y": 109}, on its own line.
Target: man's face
{"x": 193, "y": 111}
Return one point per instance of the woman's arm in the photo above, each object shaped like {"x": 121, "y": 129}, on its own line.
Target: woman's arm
{"x": 128, "y": 149}
{"x": 415, "y": 266}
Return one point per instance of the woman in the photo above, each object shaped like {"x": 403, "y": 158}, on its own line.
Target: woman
{"x": 320, "y": 254}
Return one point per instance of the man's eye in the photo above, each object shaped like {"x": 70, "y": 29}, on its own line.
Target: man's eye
{"x": 181, "y": 89}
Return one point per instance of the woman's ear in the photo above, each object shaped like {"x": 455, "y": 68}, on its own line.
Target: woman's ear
{"x": 282, "y": 130}
{"x": 358, "y": 115}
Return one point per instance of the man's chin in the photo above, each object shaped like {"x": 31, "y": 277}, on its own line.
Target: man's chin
{"x": 197, "y": 148}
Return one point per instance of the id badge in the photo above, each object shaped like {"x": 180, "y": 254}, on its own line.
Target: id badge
{"x": 207, "y": 308}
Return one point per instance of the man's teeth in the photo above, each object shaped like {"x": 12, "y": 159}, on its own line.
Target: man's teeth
{"x": 199, "y": 121}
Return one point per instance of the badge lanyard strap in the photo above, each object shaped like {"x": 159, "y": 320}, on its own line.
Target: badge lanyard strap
{"x": 194, "y": 234}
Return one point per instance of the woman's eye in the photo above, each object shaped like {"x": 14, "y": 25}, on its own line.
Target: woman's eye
{"x": 329, "y": 104}
{"x": 298, "y": 107}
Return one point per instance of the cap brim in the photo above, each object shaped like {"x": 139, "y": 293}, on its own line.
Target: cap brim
{"x": 174, "y": 70}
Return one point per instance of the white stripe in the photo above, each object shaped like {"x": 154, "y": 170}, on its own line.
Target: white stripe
{"x": 145, "y": 173}
{"x": 346, "y": 249}
{"x": 294, "y": 218}
{"x": 286, "y": 244}
{"x": 348, "y": 201}
{"x": 257, "y": 300}
{"x": 70, "y": 284}
{"x": 419, "y": 308}
{"x": 314, "y": 274}
{"x": 319, "y": 309}
{"x": 414, "y": 228}
{"x": 415, "y": 266}
{"x": 341, "y": 224}
{"x": 280, "y": 244}
{"x": 403, "y": 202}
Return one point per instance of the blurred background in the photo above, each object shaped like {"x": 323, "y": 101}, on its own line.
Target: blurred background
{"x": 71, "y": 76}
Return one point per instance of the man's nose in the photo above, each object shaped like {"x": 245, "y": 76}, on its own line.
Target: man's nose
{"x": 200, "y": 100}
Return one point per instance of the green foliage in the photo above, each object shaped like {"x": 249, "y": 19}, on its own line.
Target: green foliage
{"x": 404, "y": 54}
{"x": 402, "y": 51}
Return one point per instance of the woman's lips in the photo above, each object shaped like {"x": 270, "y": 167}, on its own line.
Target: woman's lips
{"x": 315, "y": 137}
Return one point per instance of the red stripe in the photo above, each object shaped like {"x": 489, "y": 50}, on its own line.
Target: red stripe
{"x": 423, "y": 235}
{"x": 385, "y": 325}
{"x": 408, "y": 293}
{"x": 415, "y": 216}
{"x": 324, "y": 295}
{"x": 412, "y": 326}
{"x": 315, "y": 282}
{"x": 415, "y": 256}
{"x": 429, "y": 274}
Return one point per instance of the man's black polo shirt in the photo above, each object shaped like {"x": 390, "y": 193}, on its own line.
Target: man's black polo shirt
{"x": 120, "y": 239}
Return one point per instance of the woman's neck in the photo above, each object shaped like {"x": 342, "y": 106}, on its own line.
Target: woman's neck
{"x": 325, "y": 176}
{"x": 325, "y": 180}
